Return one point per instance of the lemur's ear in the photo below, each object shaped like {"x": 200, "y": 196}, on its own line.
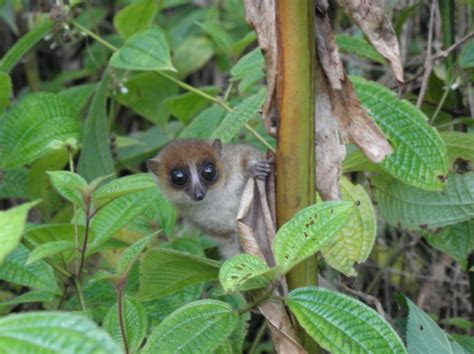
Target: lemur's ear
{"x": 153, "y": 165}
{"x": 216, "y": 144}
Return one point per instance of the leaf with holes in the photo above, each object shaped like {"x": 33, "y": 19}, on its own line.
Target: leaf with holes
{"x": 32, "y": 124}
{"x": 70, "y": 185}
{"x": 419, "y": 157}
{"x": 12, "y": 223}
{"x": 341, "y": 324}
{"x": 165, "y": 271}
{"x": 235, "y": 120}
{"x": 412, "y": 208}
{"x": 307, "y": 231}
{"x": 242, "y": 270}
{"x": 145, "y": 50}
{"x": 135, "y": 320}
{"x": 198, "y": 327}
{"x": 53, "y": 332}
{"x": 122, "y": 186}
{"x": 38, "y": 275}
{"x": 354, "y": 242}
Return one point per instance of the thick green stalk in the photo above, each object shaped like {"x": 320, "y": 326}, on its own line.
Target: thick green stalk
{"x": 295, "y": 164}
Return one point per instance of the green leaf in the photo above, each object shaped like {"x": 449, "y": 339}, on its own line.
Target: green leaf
{"x": 419, "y": 156}
{"x": 12, "y": 223}
{"x": 135, "y": 320}
{"x": 359, "y": 47}
{"x": 49, "y": 249}
{"x": 423, "y": 334}
{"x": 220, "y": 37}
{"x": 135, "y": 17}
{"x": 192, "y": 54}
{"x": 33, "y": 123}
{"x": 164, "y": 271}
{"x": 307, "y": 231}
{"x": 13, "y": 183}
{"x": 78, "y": 95}
{"x": 187, "y": 105}
{"x": 341, "y": 324}
{"x": 70, "y": 185}
{"x": 5, "y": 90}
{"x": 235, "y": 120}
{"x": 23, "y": 45}
{"x": 122, "y": 186}
{"x": 412, "y": 208}
{"x": 29, "y": 297}
{"x": 242, "y": 269}
{"x": 53, "y": 332}
{"x": 198, "y": 327}
{"x": 116, "y": 214}
{"x": 145, "y": 94}
{"x": 202, "y": 126}
{"x": 459, "y": 145}
{"x": 96, "y": 159}
{"x": 357, "y": 161}
{"x": 38, "y": 275}
{"x": 466, "y": 342}
{"x": 248, "y": 64}
{"x": 131, "y": 254}
{"x": 456, "y": 240}
{"x": 146, "y": 50}
{"x": 354, "y": 242}
{"x": 466, "y": 59}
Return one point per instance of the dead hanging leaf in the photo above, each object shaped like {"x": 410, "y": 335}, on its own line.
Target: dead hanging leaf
{"x": 261, "y": 15}
{"x": 355, "y": 125}
{"x": 256, "y": 228}
{"x": 370, "y": 17}
{"x": 330, "y": 152}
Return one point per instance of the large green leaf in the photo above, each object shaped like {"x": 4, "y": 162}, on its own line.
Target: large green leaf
{"x": 122, "y": 186}
{"x": 22, "y": 46}
{"x": 38, "y": 275}
{"x": 70, "y": 185}
{"x": 202, "y": 126}
{"x": 12, "y": 223}
{"x": 187, "y": 105}
{"x": 216, "y": 31}
{"x": 135, "y": 17}
{"x": 13, "y": 183}
{"x": 423, "y": 334}
{"x": 49, "y": 249}
{"x": 96, "y": 159}
{"x": 235, "y": 120}
{"x": 412, "y": 208}
{"x": 419, "y": 156}
{"x": 32, "y": 124}
{"x": 307, "y": 231}
{"x": 460, "y": 145}
{"x": 340, "y": 324}
{"x": 456, "y": 240}
{"x": 146, "y": 50}
{"x": 53, "y": 332}
{"x": 145, "y": 94}
{"x": 354, "y": 242}
{"x": 116, "y": 214}
{"x": 241, "y": 270}
{"x": 79, "y": 95}
{"x": 192, "y": 54}
{"x": 359, "y": 47}
{"x": 198, "y": 327}
{"x": 164, "y": 271}
{"x": 135, "y": 321}
{"x": 466, "y": 59}
{"x": 248, "y": 64}
{"x": 5, "y": 90}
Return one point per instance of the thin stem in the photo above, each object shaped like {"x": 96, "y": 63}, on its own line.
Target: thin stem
{"x": 80, "y": 294}
{"x": 256, "y": 303}
{"x": 86, "y": 238}
{"x": 443, "y": 98}
{"x": 259, "y": 137}
{"x": 121, "y": 320}
{"x": 63, "y": 296}
{"x": 76, "y": 227}
{"x": 258, "y": 337}
{"x": 95, "y": 36}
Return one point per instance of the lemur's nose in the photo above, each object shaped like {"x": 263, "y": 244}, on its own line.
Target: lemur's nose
{"x": 198, "y": 195}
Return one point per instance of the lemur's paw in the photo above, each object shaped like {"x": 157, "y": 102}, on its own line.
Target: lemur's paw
{"x": 260, "y": 169}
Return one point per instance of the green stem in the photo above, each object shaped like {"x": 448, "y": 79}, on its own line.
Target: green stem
{"x": 121, "y": 319}
{"x": 86, "y": 239}
{"x": 80, "y": 294}
{"x": 76, "y": 227}
{"x": 443, "y": 98}
{"x": 95, "y": 36}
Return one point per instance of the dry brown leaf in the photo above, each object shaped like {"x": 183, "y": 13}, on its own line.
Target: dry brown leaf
{"x": 261, "y": 15}
{"x": 370, "y": 17}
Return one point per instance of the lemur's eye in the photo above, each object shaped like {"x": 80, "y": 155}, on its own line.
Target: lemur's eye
{"x": 179, "y": 177}
{"x": 209, "y": 172}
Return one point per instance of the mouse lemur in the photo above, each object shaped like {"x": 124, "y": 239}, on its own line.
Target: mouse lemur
{"x": 205, "y": 181}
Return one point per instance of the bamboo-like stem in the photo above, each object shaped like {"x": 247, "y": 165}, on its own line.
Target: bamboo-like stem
{"x": 295, "y": 163}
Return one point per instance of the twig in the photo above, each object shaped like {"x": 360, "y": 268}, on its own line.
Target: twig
{"x": 367, "y": 298}
{"x": 120, "y": 317}
{"x": 86, "y": 238}
{"x": 80, "y": 294}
